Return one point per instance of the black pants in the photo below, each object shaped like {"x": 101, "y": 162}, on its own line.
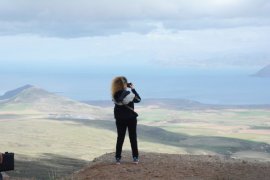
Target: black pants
{"x": 122, "y": 126}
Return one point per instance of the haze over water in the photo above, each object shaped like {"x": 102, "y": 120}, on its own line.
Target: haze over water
{"x": 214, "y": 86}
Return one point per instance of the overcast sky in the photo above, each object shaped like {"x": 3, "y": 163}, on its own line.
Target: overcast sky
{"x": 200, "y": 33}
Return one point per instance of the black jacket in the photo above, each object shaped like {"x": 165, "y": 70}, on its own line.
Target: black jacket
{"x": 125, "y": 97}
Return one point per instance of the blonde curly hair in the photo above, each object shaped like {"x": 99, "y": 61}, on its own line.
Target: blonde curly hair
{"x": 118, "y": 83}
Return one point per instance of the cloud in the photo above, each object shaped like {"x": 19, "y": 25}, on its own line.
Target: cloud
{"x": 81, "y": 18}
{"x": 146, "y": 32}
{"x": 242, "y": 46}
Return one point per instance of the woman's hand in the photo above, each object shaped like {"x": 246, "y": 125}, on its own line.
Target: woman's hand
{"x": 132, "y": 86}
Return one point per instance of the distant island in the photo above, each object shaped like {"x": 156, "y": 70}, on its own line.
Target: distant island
{"x": 264, "y": 72}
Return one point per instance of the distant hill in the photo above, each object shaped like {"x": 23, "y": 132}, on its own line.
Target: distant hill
{"x": 264, "y": 72}
{"x": 159, "y": 102}
{"x": 175, "y": 104}
{"x": 31, "y": 98}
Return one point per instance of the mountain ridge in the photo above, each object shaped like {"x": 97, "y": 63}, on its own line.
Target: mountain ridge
{"x": 14, "y": 92}
{"x": 33, "y": 98}
{"x": 264, "y": 72}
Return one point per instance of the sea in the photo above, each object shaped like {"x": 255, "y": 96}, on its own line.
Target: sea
{"x": 228, "y": 86}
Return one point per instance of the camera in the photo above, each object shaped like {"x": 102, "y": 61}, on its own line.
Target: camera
{"x": 129, "y": 85}
{"x": 7, "y": 162}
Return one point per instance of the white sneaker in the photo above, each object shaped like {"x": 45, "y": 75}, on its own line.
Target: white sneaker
{"x": 135, "y": 160}
{"x": 117, "y": 161}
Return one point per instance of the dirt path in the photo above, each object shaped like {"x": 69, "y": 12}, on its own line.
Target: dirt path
{"x": 167, "y": 166}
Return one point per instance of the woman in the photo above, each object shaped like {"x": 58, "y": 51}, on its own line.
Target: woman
{"x": 125, "y": 115}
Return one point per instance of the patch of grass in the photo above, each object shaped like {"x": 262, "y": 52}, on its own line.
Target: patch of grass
{"x": 260, "y": 127}
{"x": 253, "y": 113}
{"x": 190, "y": 130}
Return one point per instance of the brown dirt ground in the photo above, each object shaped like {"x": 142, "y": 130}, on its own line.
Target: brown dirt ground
{"x": 174, "y": 166}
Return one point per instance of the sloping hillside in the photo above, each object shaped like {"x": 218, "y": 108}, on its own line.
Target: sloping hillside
{"x": 34, "y": 99}
{"x": 12, "y": 93}
{"x": 169, "y": 166}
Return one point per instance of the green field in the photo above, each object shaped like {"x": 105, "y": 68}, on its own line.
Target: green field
{"x": 49, "y": 147}
{"x": 247, "y": 124}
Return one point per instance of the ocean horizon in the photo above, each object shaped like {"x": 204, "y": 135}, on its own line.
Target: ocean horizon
{"x": 211, "y": 86}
